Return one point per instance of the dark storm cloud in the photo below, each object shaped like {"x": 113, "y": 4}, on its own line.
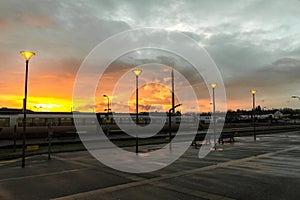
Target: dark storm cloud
{"x": 285, "y": 70}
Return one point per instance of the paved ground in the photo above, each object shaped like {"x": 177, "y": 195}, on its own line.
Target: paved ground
{"x": 266, "y": 169}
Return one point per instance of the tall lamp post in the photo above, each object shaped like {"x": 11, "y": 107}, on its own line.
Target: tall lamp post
{"x": 107, "y": 115}
{"x": 173, "y": 93}
{"x": 27, "y": 55}
{"x": 253, "y": 92}
{"x": 137, "y": 72}
{"x": 213, "y": 86}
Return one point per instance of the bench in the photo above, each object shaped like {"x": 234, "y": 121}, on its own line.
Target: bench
{"x": 224, "y": 135}
{"x": 229, "y": 135}
{"x": 198, "y": 137}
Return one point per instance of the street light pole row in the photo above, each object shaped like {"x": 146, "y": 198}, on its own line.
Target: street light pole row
{"x": 253, "y": 92}
{"x": 27, "y": 55}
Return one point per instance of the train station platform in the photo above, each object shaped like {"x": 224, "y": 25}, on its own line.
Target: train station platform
{"x": 268, "y": 168}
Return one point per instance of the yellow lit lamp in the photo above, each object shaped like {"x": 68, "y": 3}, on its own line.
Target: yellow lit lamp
{"x": 213, "y": 85}
{"x": 27, "y": 54}
{"x": 137, "y": 72}
{"x": 253, "y": 91}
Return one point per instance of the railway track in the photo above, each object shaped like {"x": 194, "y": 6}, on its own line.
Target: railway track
{"x": 121, "y": 136}
{"x": 66, "y": 144}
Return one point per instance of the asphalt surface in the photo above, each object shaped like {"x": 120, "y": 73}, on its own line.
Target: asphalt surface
{"x": 266, "y": 169}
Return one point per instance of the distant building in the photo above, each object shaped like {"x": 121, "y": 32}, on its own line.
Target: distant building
{"x": 278, "y": 114}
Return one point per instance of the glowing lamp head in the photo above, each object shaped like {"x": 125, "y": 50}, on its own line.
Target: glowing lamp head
{"x": 137, "y": 72}
{"x": 213, "y": 85}
{"x": 253, "y": 91}
{"x": 27, "y": 54}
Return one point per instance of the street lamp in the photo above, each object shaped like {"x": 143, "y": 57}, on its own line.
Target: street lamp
{"x": 26, "y": 55}
{"x": 107, "y": 117}
{"x": 253, "y": 92}
{"x": 213, "y": 86}
{"x": 38, "y": 108}
{"x": 108, "y": 109}
{"x": 137, "y": 72}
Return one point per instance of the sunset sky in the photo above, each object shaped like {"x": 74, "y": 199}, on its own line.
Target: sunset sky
{"x": 255, "y": 44}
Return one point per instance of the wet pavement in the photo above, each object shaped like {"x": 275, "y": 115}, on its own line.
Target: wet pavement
{"x": 266, "y": 169}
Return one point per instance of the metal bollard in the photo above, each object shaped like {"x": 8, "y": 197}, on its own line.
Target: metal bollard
{"x": 50, "y": 134}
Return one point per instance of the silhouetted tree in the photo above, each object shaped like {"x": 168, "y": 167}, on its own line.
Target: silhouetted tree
{"x": 258, "y": 108}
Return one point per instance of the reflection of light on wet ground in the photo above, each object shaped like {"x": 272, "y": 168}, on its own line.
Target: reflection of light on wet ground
{"x": 205, "y": 142}
{"x": 216, "y": 149}
{"x": 144, "y": 149}
{"x": 228, "y": 143}
{"x": 144, "y": 154}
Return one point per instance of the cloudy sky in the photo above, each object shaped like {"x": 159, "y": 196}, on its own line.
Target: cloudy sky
{"x": 255, "y": 44}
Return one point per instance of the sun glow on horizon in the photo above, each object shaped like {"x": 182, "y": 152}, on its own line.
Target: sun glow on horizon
{"x": 34, "y": 103}
{"x": 49, "y": 104}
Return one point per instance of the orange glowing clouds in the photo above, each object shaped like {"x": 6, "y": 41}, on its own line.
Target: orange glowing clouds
{"x": 152, "y": 97}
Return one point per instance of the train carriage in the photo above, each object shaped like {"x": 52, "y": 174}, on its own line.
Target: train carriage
{"x": 62, "y": 123}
